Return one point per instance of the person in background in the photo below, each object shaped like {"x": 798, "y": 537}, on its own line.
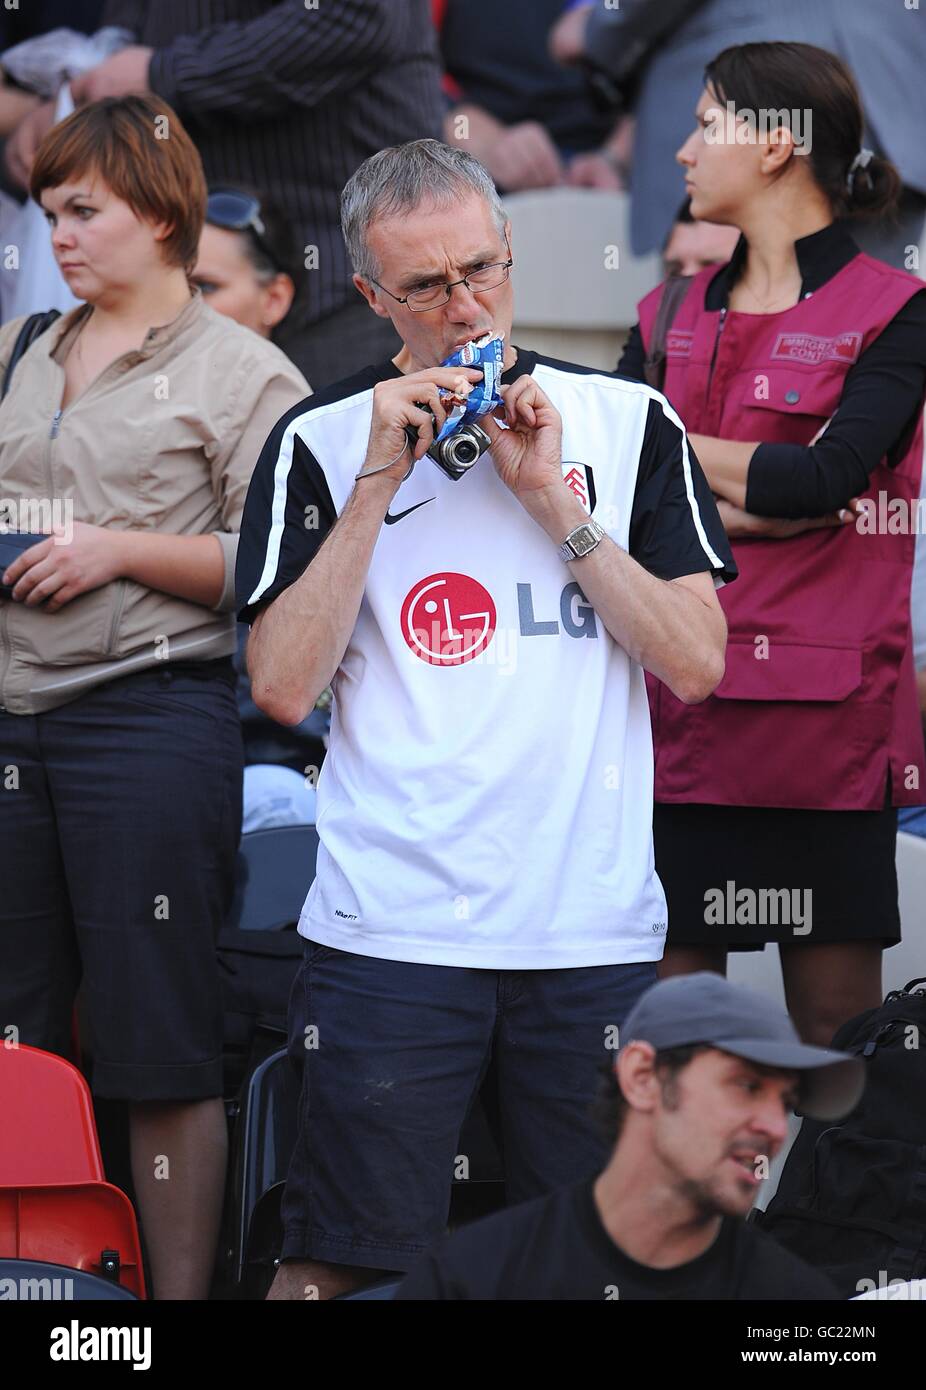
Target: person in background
{"x": 531, "y": 122}
{"x": 143, "y": 411}
{"x": 696, "y": 1105}
{"x": 249, "y": 266}
{"x": 18, "y": 25}
{"x": 30, "y": 21}
{"x": 288, "y": 98}
{"x": 691, "y": 244}
{"x": 799, "y": 369}
{"x": 884, "y": 46}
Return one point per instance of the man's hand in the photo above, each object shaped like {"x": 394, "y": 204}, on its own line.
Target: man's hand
{"x": 124, "y": 74}
{"x": 524, "y": 157}
{"x": 567, "y": 37}
{"x": 595, "y": 170}
{"x": 15, "y": 106}
{"x": 517, "y": 156}
{"x": 20, "y": 148}
{"x": 528, "y": 454}
{"x": 742, "y": 525}
{"x": 57, "y": 571}
{"x": 398, "y": 404}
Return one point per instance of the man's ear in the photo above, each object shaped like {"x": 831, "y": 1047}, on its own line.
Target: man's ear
{"x": 369, "y": 293}
{"x": 636, "y": 1075}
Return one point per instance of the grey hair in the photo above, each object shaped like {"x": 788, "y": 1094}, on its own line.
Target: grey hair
{"x": 396, "y": 180}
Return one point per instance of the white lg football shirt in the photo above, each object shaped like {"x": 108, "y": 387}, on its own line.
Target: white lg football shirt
{"x": 487, "y": 796}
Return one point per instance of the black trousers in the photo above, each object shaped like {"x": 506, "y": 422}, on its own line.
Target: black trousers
{"x": 120, "y": 815}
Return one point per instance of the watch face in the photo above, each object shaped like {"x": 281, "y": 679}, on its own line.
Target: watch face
{"x": 583, "y": 540}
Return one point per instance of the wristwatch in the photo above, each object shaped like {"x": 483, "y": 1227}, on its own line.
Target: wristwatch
{"x": 581, "y": 541}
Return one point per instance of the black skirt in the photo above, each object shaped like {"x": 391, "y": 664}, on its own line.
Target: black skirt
{"x": 740, "y": 876}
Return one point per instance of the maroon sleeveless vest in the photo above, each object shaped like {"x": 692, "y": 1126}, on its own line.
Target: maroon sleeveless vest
{"x": 818, "y": 704}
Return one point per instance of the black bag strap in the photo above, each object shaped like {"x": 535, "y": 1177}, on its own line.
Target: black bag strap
{"x": 673, "y": 296}
{"x": 33, "y": 328}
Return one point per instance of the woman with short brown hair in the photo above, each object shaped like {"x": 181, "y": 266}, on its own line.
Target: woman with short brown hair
{"x": 137, "y": 418}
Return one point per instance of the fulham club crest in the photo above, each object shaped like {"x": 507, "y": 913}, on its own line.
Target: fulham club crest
{"x": 580, "y": 480}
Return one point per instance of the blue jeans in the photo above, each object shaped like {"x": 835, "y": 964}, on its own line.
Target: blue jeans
{"x": 401, "y": 1052}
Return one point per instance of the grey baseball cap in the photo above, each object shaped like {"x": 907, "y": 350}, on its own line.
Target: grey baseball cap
{"x": 706, "y": 1008}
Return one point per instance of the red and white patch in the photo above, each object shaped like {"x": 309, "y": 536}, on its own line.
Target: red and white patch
{"x": 678, "y": 342}
{"x": 448, "y": 619}
{"x": 809, "y": 348}
{"x": 580, "y": 481}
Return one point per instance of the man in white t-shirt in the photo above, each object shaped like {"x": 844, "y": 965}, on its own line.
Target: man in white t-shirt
{"x": 485, "y": 882}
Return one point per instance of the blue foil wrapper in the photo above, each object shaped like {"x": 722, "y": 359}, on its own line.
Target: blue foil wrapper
{"x": 487, "y": 353}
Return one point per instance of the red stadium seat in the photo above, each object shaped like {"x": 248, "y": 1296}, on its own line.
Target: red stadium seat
{"x": 55, "y": 1204}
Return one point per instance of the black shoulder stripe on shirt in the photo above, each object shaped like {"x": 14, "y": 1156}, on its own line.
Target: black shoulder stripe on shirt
{"x": 289, "y": 508}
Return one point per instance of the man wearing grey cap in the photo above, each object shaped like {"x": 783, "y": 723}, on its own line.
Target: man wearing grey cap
{"x": 699, "y": 1097}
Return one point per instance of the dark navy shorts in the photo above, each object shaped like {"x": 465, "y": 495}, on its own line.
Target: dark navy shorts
{"x": 117, "y": 853}
{"x": 399, "y": 1053}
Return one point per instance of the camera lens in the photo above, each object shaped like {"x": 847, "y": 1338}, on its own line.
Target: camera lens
{"x": 463, "y": 450}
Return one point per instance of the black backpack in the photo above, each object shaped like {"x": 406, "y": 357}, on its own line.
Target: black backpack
{"x": 258, "y": 947}
{"x": 256, "y": 970}
{"x": 852, "y": 1196}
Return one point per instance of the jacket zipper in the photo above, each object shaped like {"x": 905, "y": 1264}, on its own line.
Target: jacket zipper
{"x": 722, "y": 320}
{"x": 117, "y": 614}
{"x": 52, "y": 436}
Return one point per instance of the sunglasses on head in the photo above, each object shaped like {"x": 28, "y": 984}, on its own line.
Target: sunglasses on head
{"x": 239, "y": 212}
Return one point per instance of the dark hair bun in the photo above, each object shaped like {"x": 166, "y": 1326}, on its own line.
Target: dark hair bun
{"x": 875, "y": 189}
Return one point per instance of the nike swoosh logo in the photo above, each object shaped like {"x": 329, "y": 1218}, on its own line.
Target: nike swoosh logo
{"x": 391, "y": 520}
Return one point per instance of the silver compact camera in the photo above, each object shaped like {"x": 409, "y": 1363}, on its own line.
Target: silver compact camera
{"x": 459, "y": 451}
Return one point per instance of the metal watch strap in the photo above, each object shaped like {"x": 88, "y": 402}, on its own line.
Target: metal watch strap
{"x": 588, "y": 531}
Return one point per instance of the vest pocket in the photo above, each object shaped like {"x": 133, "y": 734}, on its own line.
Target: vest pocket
{"x": 792, "y": 724}
{"x": 791, "y": 403}
{"x": 767, "y": 668}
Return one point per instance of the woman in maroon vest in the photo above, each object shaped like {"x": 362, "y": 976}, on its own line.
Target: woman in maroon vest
{"x": 799, "y": 369}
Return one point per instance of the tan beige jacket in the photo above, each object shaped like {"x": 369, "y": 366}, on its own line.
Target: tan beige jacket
{"x": 165, "y": 440}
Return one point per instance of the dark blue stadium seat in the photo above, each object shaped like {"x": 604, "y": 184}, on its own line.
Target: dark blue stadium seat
{"x": 35, "y": 1281}
{"x": 274, "y": 871}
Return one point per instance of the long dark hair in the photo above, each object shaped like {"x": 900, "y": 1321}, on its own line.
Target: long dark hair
{"x": 801, "y": 77}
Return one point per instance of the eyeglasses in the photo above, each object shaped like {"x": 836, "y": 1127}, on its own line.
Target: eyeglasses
{"x": 487, "y": 277}
{"x": 239, "y": 212}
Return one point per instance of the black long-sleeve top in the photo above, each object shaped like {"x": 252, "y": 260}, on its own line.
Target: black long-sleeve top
{"x": 882, "y": 395}
{"x": 290, "y": 100}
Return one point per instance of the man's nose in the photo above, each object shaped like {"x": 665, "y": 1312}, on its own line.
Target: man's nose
{"x": 463, "y": 303}
{"x": 772, "y": 1120}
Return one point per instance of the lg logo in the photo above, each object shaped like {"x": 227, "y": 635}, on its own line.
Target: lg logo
{"x": 575, "y": 613}
{"x": 448, "y": 619}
